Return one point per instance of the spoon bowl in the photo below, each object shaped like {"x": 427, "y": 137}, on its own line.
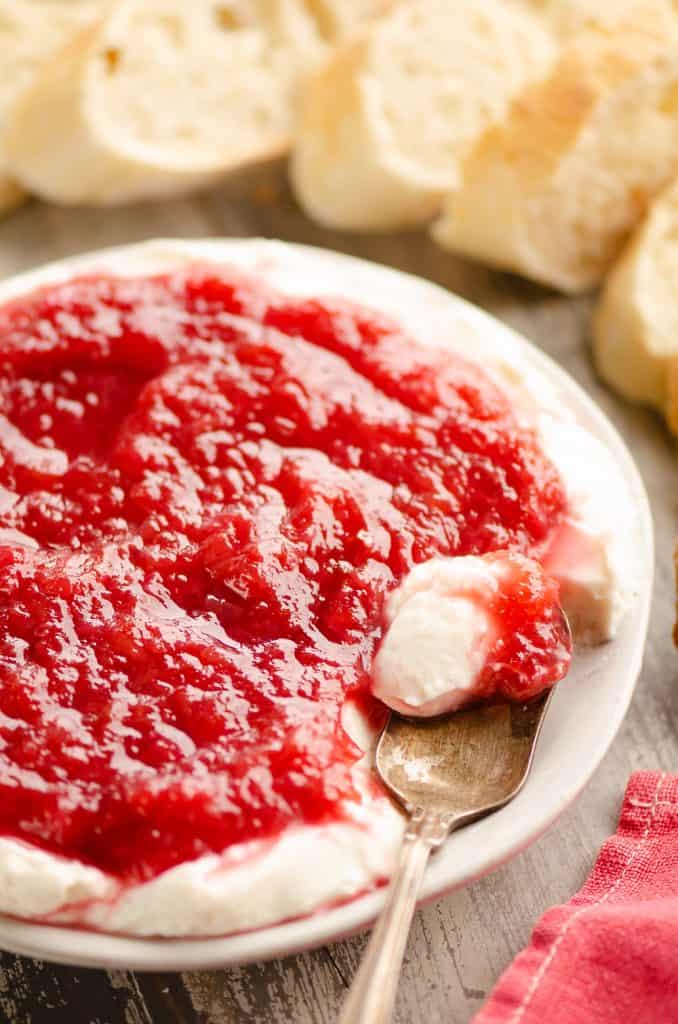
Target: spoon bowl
{"x": 463, "y": 765}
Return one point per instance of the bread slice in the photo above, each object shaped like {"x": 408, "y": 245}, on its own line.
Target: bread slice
{"x": 31, "y": 31}
{"x": 159, "y": 96}
{"x": 635, "y": 325}
{"x": 553, "y": 191}
{"x": 386, "y": 121}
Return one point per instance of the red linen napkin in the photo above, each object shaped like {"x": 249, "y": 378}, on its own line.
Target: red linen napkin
{"x": 610, "y": 955}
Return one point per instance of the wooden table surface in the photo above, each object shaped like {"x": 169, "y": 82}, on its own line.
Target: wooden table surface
{"x": 458, "y": 947}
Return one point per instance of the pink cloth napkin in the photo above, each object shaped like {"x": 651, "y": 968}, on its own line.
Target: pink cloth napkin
{"x": 610, "y": 955}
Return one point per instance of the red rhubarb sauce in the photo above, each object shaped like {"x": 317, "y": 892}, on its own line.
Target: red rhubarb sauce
{"x": 206, "y": 491}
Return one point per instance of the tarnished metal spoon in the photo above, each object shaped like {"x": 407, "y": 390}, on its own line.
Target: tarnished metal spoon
{"x": 446, "y": 772}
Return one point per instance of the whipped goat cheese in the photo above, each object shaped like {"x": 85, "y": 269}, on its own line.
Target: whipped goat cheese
{"x": 439, "y": 631}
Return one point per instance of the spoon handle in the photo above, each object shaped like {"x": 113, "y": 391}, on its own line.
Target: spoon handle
{"x": 371, "y": 998}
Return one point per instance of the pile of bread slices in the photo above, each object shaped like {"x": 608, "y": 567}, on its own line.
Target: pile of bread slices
{"x": 538, "y": 136}
{"x": 107, "y": 101}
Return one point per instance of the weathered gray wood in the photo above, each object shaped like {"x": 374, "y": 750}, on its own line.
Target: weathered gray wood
{"x": 458, "y": 947}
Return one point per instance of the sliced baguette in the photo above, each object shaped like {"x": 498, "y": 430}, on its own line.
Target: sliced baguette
{"x": 31, "y": 31}
{"x": 386, "y": 121}
{"x": 160, "y": 96}
{"x": 554, "y": 190}
{"x": 635, "y": 325}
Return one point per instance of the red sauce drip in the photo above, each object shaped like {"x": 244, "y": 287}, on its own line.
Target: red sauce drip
{"x": 206, "y": 491}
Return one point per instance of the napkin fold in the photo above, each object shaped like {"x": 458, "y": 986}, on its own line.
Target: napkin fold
{"x": 610, "y": 955}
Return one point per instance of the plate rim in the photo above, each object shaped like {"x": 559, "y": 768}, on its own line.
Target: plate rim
{"x": 85, "y": 948}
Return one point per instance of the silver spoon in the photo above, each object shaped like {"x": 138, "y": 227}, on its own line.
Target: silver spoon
{"x": 446, "y": 772}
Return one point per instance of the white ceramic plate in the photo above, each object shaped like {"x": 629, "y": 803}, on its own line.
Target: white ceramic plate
{"x": 583, "y": 719}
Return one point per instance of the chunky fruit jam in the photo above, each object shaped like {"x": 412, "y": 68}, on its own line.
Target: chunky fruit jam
{"x": 471, "y": 629}
{"x": 206, "y": 491}
{"x": 532, "y": 648}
